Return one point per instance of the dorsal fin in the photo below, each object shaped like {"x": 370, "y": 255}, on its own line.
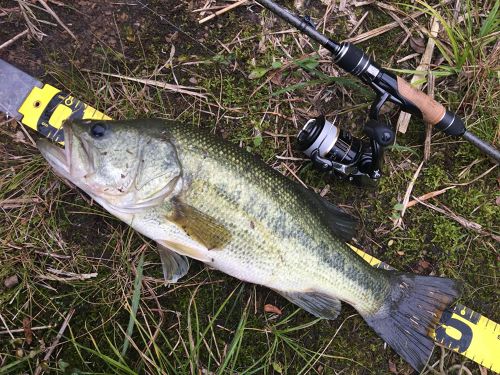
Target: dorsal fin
{"x": 340, "y": 223}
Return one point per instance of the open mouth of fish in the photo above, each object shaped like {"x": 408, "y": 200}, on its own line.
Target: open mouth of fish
{"x": 58, "y": 157}
{"x": 61, "y": 158}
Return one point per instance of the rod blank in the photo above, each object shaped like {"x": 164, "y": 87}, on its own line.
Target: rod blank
{"x": 485, "y": 147}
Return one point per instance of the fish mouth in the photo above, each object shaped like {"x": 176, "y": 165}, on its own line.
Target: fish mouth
{"x": 55, "y": 156}
{"x": 58, "y": 157}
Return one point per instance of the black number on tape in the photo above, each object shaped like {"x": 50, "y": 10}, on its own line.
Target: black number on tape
{"x": 461, "y": 344}
{"x": 44, "y": 127}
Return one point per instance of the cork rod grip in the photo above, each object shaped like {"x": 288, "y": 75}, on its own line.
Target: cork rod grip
{"x": 432, "y": 111}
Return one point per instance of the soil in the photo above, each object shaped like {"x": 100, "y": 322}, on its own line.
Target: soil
{"x": 121, "y": 26}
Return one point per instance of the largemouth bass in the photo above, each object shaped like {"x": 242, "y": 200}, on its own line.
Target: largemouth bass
{"x": 201, "y": 197}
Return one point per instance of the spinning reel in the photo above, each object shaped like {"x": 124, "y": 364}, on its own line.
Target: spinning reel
{"x": 332, "y": 149}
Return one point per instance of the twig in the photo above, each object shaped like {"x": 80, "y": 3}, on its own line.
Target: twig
{"x": 461, "y": 220}
{"x": 294, "y": 175}
{"x": 151, "y": 82}
{"x": 18, "y": 202}
{"x": 27, "y": 12}
{"x": 12, "y": 40}
{"x": 404, "y": 117}
{"x": 427, "y": 196}
{"x": 56, "y": 17}
{"x": 19, "y": 330}
{"x": 39, "y": 370}
{"x": 409, "y": 57}
{"x": 431, "y": 82}
{"x": 53, "y": 255}
{"x": 5, "y": 325}
{"x": 358, "y": 24}
{"x": 6, "y": 11}
{"x": 477, "y": 178}
{"x": 381, "y": 30}
{"x": 222, "y": 11}
{"x": 460, "y": 367}
{"x": 399, "y": 221}
{"x": 385, "y": 28}
{"x": 69, "y": 276}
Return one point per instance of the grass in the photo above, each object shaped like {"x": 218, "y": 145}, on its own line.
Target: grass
{"x": 126, "y": 321}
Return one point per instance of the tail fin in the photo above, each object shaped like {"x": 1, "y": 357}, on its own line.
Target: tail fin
{"x": 411, "y": 313}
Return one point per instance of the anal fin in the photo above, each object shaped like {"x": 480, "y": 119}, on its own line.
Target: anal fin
{"x": 316, "y": 303}
{"x": 174, "y": 265}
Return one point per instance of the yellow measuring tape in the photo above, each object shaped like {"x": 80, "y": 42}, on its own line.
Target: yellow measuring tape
{"x": 460, "y": 328}
{"x": 46, "y": 108}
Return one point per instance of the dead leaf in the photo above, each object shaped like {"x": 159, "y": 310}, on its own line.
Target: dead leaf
{"x": 19, "y": 137}
{"x": 272, "y": 309}
{"x": 439, "y": 60}
{"x": 277, "y": 78}
{"x": 28, "y": 333}
{"x": 392, "y": 367}
{"x": 423, "y": 263}
{"x": 11, "y": 282}
{"x": 417, "y": 44}
{"x": 19, "y": 353}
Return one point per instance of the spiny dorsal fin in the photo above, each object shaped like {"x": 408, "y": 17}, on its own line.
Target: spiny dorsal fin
{"x": 340, "y": 223}
{"x": 174, "y": 265}
{"x": 200, "y": 226}
{"x": 316, "y": 303}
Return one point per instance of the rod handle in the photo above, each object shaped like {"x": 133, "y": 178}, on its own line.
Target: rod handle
{"x": 433, "y": 112}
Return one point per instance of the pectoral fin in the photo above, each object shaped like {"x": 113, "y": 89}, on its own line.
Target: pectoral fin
{"x": 174, "y": 265}
{"x": 318, "y": 304}
{"x": 200, "y": 226}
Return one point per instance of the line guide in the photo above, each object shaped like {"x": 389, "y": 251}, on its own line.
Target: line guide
{"x": 44, "y": 108}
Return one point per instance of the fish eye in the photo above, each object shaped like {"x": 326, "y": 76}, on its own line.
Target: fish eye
{"x": 98, "y": 130}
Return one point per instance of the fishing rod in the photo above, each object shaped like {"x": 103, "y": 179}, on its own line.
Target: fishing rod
{"x": 333, "y": 149}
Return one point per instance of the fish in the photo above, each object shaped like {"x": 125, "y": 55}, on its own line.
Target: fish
{"x": 201, "y": 197}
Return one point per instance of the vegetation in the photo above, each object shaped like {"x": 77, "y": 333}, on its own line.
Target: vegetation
{"x": 84, "y": 274}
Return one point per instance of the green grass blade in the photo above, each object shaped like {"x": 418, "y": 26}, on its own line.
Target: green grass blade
{"x": 491, "y": 23}
{"x": 135, "y": 304}
{"x": 114, "y": 364}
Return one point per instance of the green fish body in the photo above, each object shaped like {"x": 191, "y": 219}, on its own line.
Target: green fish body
{"x": 199, "y": 196}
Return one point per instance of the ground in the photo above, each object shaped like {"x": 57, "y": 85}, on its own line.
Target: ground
{"x": 75, "y": 262}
